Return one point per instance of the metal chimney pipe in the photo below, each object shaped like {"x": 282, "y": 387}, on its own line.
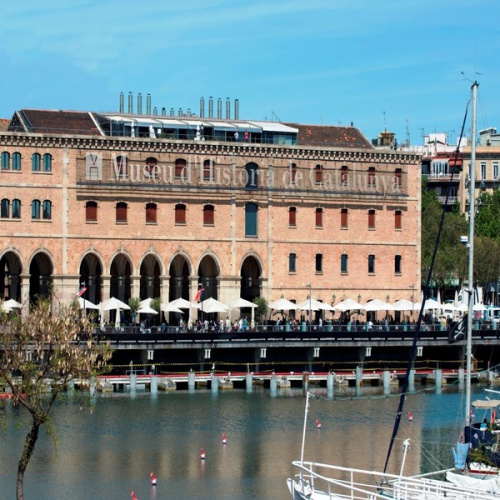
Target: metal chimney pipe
{"x": 130, "y": 103}
{"x": 139, "y": 104}
{"x": 211, "y": 107}
{"x": 148, "y": 104}
{"x": 219, "y": 108}
{"x": 236, "y": 109}
{"x": 202, "y": 107}
{"x": 163, "y": 111}
{"x": 228, "y": 109}
{"x": 122, "y": 102}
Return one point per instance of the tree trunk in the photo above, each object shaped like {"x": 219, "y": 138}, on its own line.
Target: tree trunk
{"x": 29, "y": 445}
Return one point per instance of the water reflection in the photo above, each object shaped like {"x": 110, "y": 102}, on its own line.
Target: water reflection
{"x": 107, "y": 453}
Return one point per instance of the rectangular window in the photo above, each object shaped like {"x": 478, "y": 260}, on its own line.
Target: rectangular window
{"x": 208, "y": 170}
{"x": 180, "y": 214}
{"x": 343, "y": 263}
{"x": 16, "y": 161}
{"x": 150, "y": 213}
{"x": 292, "y": 263}
{"x": 397, "y": 264}
{"x": 371, "y": 219}
{"x": 319, "y": 217}
{"x": 91, "y": 211}
{"x": 495, "y": 170}
{"x": 121, "y": 212}
{"x": 292, "y": 216}
{"x": 371, "y": 177}
{"x": 16, "y": 209}
{"x": 344, "y": 218}
{"x": 5, "y": 209}
{"x": 398, "y": 219}
{"x": 371, "y": 264}
{"x": 47, "y": 209}
{"x": 47, "y": 162}
{"x": 208, "y": 215}
{"x": 398, "y": 179}
{"x": 251, "y": 210}
{"x": 35, "y": 209}
{"x": 5, "y": 160}
{"x": 319, "y": 263}
{"x": 483, "y": 171}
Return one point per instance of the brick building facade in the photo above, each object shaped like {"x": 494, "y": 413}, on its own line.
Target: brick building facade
{"x": 285, "y": 209}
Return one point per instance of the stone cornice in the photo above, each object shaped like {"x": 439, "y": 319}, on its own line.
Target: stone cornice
{"x": 183, "y": 147}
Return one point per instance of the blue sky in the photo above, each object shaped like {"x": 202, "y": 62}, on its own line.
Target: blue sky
{"x": 394, "y": 64}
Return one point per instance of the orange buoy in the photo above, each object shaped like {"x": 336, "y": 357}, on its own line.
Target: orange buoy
{"x": 224, "y": 440}
{"x": 153, "y": 478}
{"x": 318, "y": 423}
{"x": 202, "y": 454}
{"x": 132, "y": 494}
{"x": 410, "y": 416}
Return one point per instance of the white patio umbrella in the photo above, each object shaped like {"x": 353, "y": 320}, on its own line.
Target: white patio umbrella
{"x": 183, "y": 304}
{"x": 212, "y": 305}
{"x": 86, "y": 304}
{"x": 145, "y": 302}
{"x": 378, "y": 305}
{"x": 12, "y": 304}
{"x": 170, "y": 308}
{"x": 113, "y": 303}
{"x": 146, "y": 310}
{"x": 405, "y": 305}
{"x": 283, "y": 305}
{"x": 431, "y": 304}
{"x": 240, "y": 303}
{"x": 479, "y": 307}
{"x": 349, "y": 305}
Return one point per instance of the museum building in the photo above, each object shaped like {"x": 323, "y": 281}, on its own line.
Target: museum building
{"x": 148, "y": 205}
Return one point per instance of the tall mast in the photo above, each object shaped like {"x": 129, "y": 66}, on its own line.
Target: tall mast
{"x": 472, "y": 215}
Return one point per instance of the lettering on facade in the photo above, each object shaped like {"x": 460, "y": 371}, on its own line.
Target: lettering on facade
{"x": 247, "y": 175}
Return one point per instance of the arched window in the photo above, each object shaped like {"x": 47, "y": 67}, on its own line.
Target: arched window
{"x": 371, "y": 219}
{"x": 208, "y": 170}
{"x": 5, "y": 208}
{"x": 252, "y": 180}
{"x": 121, "y": 212}
{"x": 344, "y": 259}
{"x": 292, "y": 263}
{"x": 251, "y": 211}
{"x": 371, "y": 264}
{"x": 16, "y": 161}
{"x": 318, "y": 174}
{"x": 292, "y": 216}
{"x": 397, "y": 264}
{"x": 208, "y": 215}
{"x": 35, "y": 209}
{"x": 180, "y": 213}
{"x": 319, "y": 217}
{"x": 5, "y": 160}
{"x": 344, "y": 218}
{"x": 151, "y": 213}
{"x": 398, "y": 220}
{"x": 16, "y": 209}
{"x": 180, "y": 168}
{"x": 91, "y": 211}
{"x": 151, "y": 163}
{"x": 47, "y": 162}
{"x": 47, "y": 209}
{"x": 35, "y": 162}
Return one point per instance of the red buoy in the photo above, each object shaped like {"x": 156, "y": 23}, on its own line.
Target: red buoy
{"x": 202, "y": 454}
{"x": 224, "y": 440}
{"x": 318, "y": 424}
{"x": 410, "y": 416}
{"x": 132, "y": 494}
{"x": 153, "y": 478}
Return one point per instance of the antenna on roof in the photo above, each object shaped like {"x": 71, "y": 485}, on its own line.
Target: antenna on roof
{"x": 275, "y": 116}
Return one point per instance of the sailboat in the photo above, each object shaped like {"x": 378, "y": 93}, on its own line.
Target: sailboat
{"x": 318, "y": 481}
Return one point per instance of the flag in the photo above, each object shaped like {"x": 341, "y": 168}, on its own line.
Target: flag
{"x": 199, "y": 295}
{"x": 82, "y": 291}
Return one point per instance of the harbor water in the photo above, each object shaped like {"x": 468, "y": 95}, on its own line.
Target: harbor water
{"x": 109, "y": 449}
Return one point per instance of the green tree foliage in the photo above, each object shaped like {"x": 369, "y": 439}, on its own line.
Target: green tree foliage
{"x": 451, "y": 256}
{"x": 487, "y": 221}
{"x": 261, "y": 309}
{"x": 41, "y": 354}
